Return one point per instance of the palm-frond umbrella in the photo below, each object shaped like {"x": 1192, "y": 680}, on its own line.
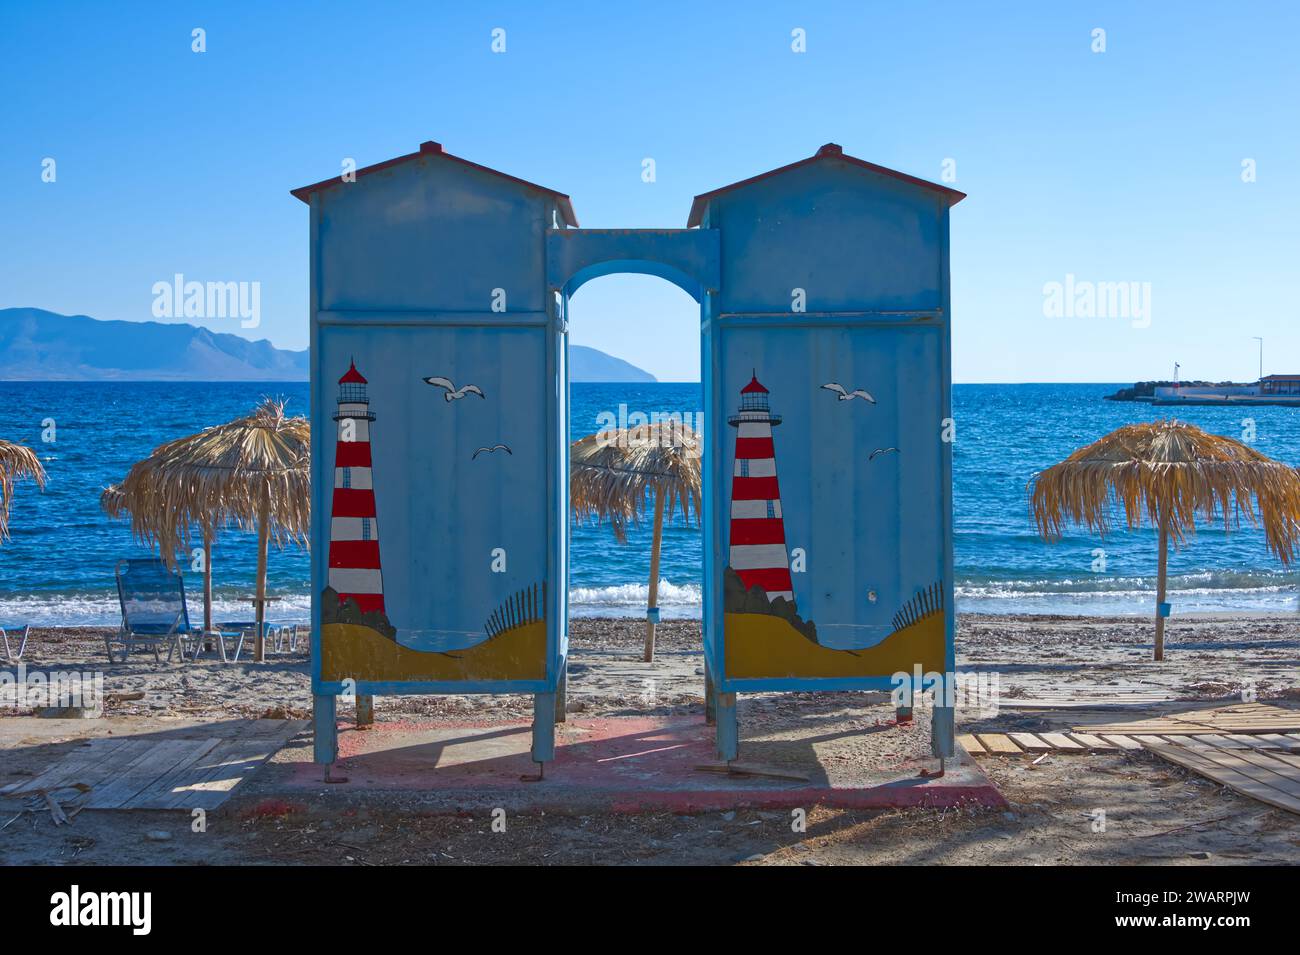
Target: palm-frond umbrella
{"x": 612, "y": 473}
{"x": 254, "y": 471}
{"x": 1170, "y": 472}
{"x": 16, "y": 463}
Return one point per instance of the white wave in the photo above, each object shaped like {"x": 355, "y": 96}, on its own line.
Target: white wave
{"x": 676, "y": 601}
{"x": 100, "y": 610}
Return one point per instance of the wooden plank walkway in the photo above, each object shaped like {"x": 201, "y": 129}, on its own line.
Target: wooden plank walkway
{"x": 1272, "y": 777}
{"x": 1245, "y": 728}
{"x": 1069, "y": 696}
{"x": 1238, "y": 718}
{"x": 183, "y": 771}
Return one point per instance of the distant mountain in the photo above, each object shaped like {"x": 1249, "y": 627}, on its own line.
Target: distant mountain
{"x": 36, "y": 345}
{"x": 589, "y": 364}
{"x": 40, "y": 345}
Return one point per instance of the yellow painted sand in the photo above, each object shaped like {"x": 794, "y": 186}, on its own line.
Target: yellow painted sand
{"x": 351, "y": 650}
{"x": 761, "y": 646}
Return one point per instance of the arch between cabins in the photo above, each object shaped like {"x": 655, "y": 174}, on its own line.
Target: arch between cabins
{"x": 688, "y": 258}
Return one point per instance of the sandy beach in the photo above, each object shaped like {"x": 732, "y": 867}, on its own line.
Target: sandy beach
{"x": 1158, "y": 813}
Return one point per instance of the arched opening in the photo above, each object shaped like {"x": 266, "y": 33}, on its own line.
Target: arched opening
{"x": 651, "y": 322}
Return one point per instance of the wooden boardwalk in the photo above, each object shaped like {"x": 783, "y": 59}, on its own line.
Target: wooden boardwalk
{"x": 1250, "y": 748}
{"x": 1068, "y": 696}
{"x": 197, "y": 768}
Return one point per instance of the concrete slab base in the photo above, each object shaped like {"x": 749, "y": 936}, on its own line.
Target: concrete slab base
{"x": 623, "y": 764}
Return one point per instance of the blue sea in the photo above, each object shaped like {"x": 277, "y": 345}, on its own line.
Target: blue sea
{"x": 58, "y": 567}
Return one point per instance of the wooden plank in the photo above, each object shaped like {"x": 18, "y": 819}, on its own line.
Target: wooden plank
{"x": 1223, "y": 742}
{"x": 161, "y": 758}
{"x": 1149, "y": 727}
{"x": 998, "y": 744}
{"x": 1284, "y": 743}
{"x": 1189, "y": 758}
{"x": 79, "y": 763}
{"x": 1150, "y": 741}
{"x": 1123, "y": 742}
{"x": 968, "y": 742}
{"x": 1061, "y": 741}
{"x": 1031, "y": 742}
{"x": 211, "y": 779}
{"x": 153, "y": 795}
{"x": 1093, "y": 742}
{"x": 1261, "y": 767}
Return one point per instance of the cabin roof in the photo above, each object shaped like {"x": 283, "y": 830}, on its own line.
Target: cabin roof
{"x": 831, "y": 151}
{"x": 431, "y": 148}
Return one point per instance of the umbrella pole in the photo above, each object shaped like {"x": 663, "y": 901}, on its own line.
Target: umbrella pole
{"x": 1161, "y": 565}
{"x": 263, "y": 529}
{"x": 652, "y": 604}
{"x": 207, "y": 579}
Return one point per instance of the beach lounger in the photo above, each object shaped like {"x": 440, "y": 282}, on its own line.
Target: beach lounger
{"x": 154, "y": 614}
{"x": 277, "y": 634}
{"x": 22, "y": 643}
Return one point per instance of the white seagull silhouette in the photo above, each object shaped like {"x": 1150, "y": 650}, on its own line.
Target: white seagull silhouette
{"x": 844, "y": 395}
{"x": 872, "y": 455}
{"x": 452, "y": 392}
{"x": 491, "y": 450}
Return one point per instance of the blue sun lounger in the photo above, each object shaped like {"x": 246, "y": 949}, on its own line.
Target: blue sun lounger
{"x": 154, "y": 614}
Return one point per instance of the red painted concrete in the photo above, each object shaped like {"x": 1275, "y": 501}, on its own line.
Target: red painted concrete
{"x": 625, "y": 764}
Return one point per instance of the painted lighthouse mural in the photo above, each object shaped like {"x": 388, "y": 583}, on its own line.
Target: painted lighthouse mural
{"x": 765, "y": 635}
{"x": 354, "y": 569}
{"x": 758, "y": 552}
{"x": 359, "y": 638}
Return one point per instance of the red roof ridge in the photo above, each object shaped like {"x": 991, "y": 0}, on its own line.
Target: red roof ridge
{"x": 431, "y": 148}
{"x": 828, "y": 151}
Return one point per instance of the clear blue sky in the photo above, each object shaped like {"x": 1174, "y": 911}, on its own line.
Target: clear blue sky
{"x": 1119, "y": 166}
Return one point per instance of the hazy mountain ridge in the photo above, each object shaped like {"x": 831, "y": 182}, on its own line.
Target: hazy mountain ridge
{"x": 591, "y": 364}
{"x": 38, "y": 345}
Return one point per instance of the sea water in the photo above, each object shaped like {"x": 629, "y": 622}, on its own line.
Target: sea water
{"x": 58, "y": 567}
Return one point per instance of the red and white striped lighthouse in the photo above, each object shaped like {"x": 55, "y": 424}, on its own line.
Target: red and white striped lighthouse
{"x": 354, "y": 533}
{"x": 758, "y": 551}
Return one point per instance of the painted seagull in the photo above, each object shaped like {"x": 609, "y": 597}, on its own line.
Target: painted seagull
{"x": 873, "y": 454}
{"x": 492, "y": 450}
{"x": 844, "y": 395}
{"x": 451, "y": 392}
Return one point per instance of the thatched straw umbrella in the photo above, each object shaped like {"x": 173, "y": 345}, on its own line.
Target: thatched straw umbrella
{"x": 611, "y": 474}
{"x": 16, "y": 462}
{"x": 254, "y": 471}
{"x": 1171, "y": 472}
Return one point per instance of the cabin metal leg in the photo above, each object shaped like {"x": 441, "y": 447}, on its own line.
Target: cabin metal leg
{"x": 562, "y": 693}
{"x": 943, "y": 742}
{"x": 365, "y": 710}
{"x": 324, "y": 716}
{"x": 728, "y": 732}
{"x": 544, "y": 728}
{"x": 710, "y": 703}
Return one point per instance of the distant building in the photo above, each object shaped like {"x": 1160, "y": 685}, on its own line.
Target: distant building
{"x": 1280, "y": 385}
{"x": 1269, "y": 390}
